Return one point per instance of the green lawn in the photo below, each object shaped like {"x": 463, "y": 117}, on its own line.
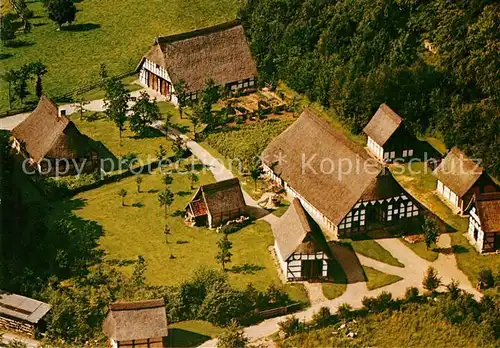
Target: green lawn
{"x": 338, "y": 285}
{"x": 370, "y": 248}
{"x": 99, "y": 93}
{"x": 114, "y": 32}
{"x": 282, "y": 208}
{"x": 421, "y": 185}
{"x": 191, "y": 333}
{"x": 376, "y": 279}
{"x": 421, "y": 250}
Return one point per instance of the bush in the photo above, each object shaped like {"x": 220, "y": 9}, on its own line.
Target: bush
{"x": 460, "y": 309}
{"x": 344, "y": 311}
{"x": 412, "y": 294}
{"x": 453, "y": 289}
{"x": 486, "y": 278}
{"x": 431, "y": 280}
{"x": 232, "y": 337}
{"x": 290, "y": 326}
{"x": 380, "y": 303}
{"x": 223, "y": 304}
{"x": 322, "y": 317}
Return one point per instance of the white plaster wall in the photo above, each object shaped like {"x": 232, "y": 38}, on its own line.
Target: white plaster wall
{"x": 280, "y": 260}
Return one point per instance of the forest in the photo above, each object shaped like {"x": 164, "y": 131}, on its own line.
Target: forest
{"x": 435, "y": 63}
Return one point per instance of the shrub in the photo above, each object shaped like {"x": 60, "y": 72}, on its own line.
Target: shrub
{"x": 277, "y": 296}
{"x": 290, "y": 326}
{"x": 453, "y": 289}
{"x": 322, "y": 317}
{"x": 412, "y": 294}
{"x": 431, "y": 280}
{"x": 232, "y": 337}
{"x": 458, "y": 310}
{"x": 223, "y": 304}
{"x": 378, "y": 304}
{"x": 344, "y": 311}
{"x": 486, "y": 278}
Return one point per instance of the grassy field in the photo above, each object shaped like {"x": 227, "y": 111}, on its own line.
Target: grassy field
{"x": 114, "y": 32}
{"x": 282, "y": 208}
{"x": 370, "y": 248}
{"x": 376, "y": 279}
{"x": 338, "y": 286}
{"x": 421, "y": 250}
{"x": 191, "y": 333}
{"x": 417, "y": 326}
{"x": 421, "y": 185}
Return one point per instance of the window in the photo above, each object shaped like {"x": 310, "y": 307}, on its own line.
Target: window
{"x": 393, "y": 154}
{"x": 386, "y": 155}
{"x": 251, "y": 83}
{"x": 410, "y": 152}
{"x": 405, "y": 153}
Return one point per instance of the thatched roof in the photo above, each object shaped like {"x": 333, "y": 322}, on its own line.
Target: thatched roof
{"x": 22, "y": 308}
{"x": 383, "y": 124}
{"x": 220, "y": 52}
{"x": 458, "y": 172}
{"x": 219, "y": 197}
{"x": 488, "y": 211}
{"x": 136, "y": 320}
{"x": 336, "y": 190}
{"x": 48, "y": 135}
{"x": 296, "y": 231}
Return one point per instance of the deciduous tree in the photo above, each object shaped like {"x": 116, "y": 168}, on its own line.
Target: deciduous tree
{"x": 431, "y": 231}
{"x": 61, "y": 11}
{"x": 181, "y": 92}
{"x": 116, "y": 103}
{"x": 166, "y": 198}
{"x": 224, "y": 255}
{"x": 38, "y": 69}
{"x": 144, "y": 113}
{"x": 122, "y": 193}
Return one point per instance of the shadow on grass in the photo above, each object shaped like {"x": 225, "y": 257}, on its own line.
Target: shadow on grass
{"x": 150, "y": 133}
{"x": 121, "y": 262}
{"x": 153, "y": 191}
{"x": 178, "y": 213}
{"x": 138, "y": 205}
{"x": 184, "y": 193}
{"x": 182, "y": 242}
{"x": 246, "y": 268}
{"x": 181, "y": 128}
{"x": 82, "y": 27}
{"x": 5, "y": 56}
{"x": 184, "y": 338}
{"x": 19, "y": 43}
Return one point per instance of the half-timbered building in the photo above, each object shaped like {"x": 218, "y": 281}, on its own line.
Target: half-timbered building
{"x": 300, "y": 246}
{"x": 484, "y": 221}
{"x": 459, "y": 178}
{"x": 388, "y": 138}
{"x": 220, "y": 53}
{"x": 141, "y": 324}
{"x": 22, "y": 314}
{"x": 212, "y": 204}
{"x": 50, "y": 141}
{"x": 337, "y": 182}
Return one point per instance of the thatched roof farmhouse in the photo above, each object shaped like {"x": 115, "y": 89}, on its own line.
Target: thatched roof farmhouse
{"x": 220, "y": 53}
{"x": 136, "y": 324}
{"x": 484, "y": 221}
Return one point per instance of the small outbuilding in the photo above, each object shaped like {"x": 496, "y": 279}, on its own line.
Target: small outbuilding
{"x": 388, "y": 137}
{"x": 141, "y": 324}
{"x": 300, "y": 245}
{"x": 220, "y": 52}
{"x": 52, "y": 142}
{"x": 22, "y": 314}
{"x": 484, "y": 221}
{"x": 212, "y": 204}
{"x": 459, "y": 178}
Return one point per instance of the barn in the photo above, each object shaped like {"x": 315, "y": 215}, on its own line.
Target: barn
{"x": 220, "y": 53}
{"x": 300, "y": 246}
{"x": 212, "y": 204}
{"x": 338, "y": 183}
{"x": 388, "y": 138}
{"x": 459, "y": 178}
{"x": 52, "y": 142}
{"x": 141, "y": 324}
{"x": 484, "y": 221}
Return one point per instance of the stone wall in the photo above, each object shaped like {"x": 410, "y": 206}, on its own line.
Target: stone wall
{"x": 17, "y": 326}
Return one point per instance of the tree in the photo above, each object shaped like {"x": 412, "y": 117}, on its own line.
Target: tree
{"x": 167, "y": 180}
{"x": 10, "y": 77}
{"x": 181, "y": 93}
{"x": 103, "y": 71}
{"x": 166, "y": 232}
{"x": 161, "y": 153}
{"x": 21, "y": 83}
{"x": 196, "y": 116}
{"x": 61, "y": 11}
{"x": 144, "y": 113}
{"x": 431, "y": 231}
{"x": 431, "y": 280}
{"x": 138, "y": 181}
{"x": 139, "y": 272}
{"x": 165, "y": 127}
{"x": 166, "y": 198}
{"x": 38, "y": 69}
{"x": 7, "y": 29}
{"x": 224, "y": 255}
{"x": 232, "y": 336}
{"x": 80, "y": 106}
{"x": 255, "y": 173}
{"x": 116, "y": 103}
{"x": 179, "y": 148}
{"x": 193, "y": 178}
{"x": 122, "y": 193}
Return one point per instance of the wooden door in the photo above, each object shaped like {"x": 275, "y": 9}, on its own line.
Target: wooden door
{"x": 311, "y": 269}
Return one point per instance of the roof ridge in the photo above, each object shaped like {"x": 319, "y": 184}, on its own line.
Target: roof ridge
{"x": 146, "y": 304}
{"x": 197, "y": 32}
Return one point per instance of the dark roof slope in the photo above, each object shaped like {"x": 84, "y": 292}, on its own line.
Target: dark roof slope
{"x": 458, "y": 172}
{"x": 218, "y": 197}
{"x": 488, "y": 211}
{"x": 22, "y": 308}
{"x": 383, "y": 124}
{"x": 296, "y": 231}
{"x": 46, "y": 134}
{"x": 335, "y": 190}
{"x": 136, "y": 320}
{"x": 220, "y": 52}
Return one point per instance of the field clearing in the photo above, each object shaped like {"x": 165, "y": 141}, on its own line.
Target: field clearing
{"x": 114, "y": 32}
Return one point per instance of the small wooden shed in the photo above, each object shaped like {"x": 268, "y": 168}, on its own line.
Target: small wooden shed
{"x": 141, "y": 324}
{"x": 484, "y": 221}
{"x": 22, "y": 314}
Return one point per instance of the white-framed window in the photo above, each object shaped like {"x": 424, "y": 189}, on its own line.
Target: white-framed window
{"x": 405, "y": 153}
{"x": 393, "y": 154}
{"x": 251, "y": 83}
{"x": 440, "y": 187}
{"x": 410, "y": 152}
{"x": 386, "y": 155}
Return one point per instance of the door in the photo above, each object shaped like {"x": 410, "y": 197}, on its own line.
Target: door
{"x": 311, "y": 269}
